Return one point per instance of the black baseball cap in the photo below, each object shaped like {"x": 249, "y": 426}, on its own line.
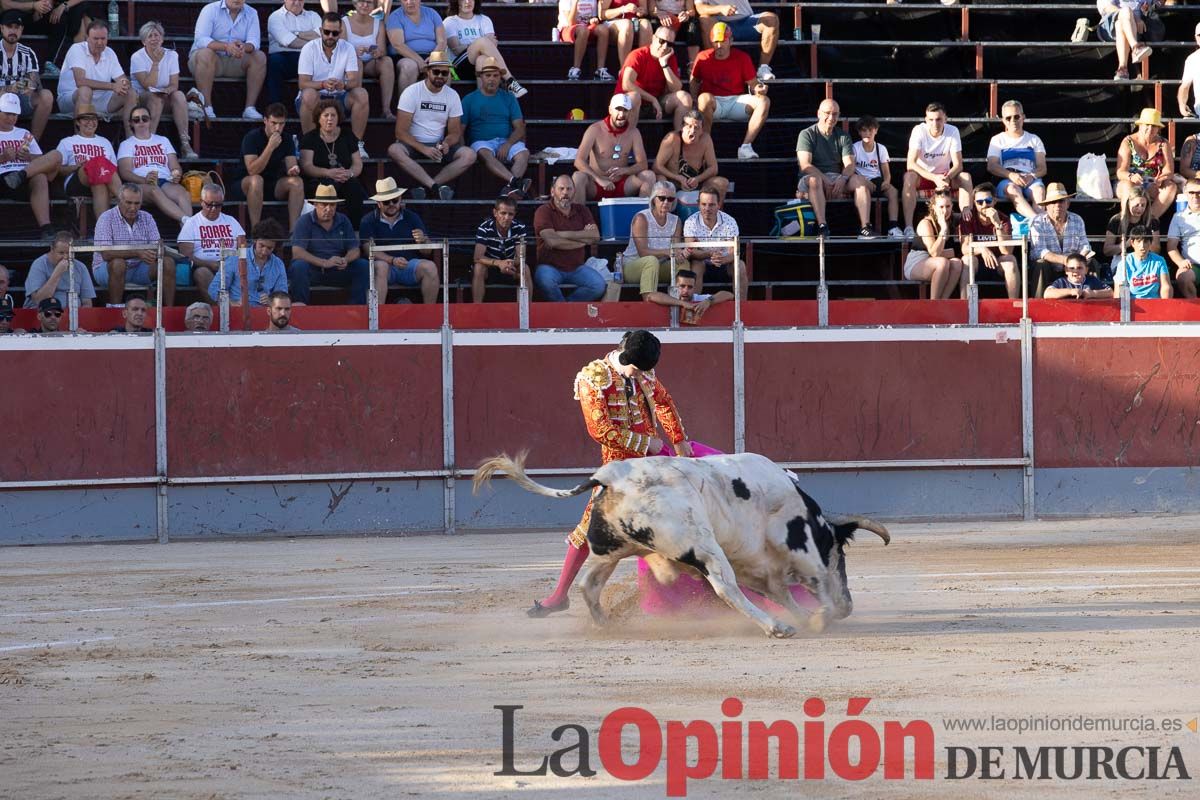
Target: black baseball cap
{"x": 50, "y": 304}
{"x": 12, "y": 17}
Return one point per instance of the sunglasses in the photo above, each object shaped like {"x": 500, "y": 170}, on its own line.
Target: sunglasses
{"x": 663, "y": 40}
{"x": 139, "y": 119}
{"x": 395, "y": 201}
{"x": 442, "y": 72}
{"x": 1011, "y": 118}
{"x": 207, "y": 204}
{"x": 51, "y": 313}
{"x": 330, "y": 33}
{"x": 665, "y": 199}
{"x": 984, "y": 201}
{"x": 1194, "y": 194}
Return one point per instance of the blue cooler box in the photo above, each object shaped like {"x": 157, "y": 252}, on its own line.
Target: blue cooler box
{"x": 616, "y": 215}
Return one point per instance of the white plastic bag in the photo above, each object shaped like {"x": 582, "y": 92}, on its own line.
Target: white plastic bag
{"x": 1092, "y": 178}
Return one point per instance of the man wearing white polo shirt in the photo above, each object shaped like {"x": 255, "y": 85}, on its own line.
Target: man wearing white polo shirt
{"x": 92, "y": 73}
{"x": 329, "y": 69}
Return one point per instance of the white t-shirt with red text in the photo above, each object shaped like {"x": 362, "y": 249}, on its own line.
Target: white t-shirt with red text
{"x": 77, "y": 150}
{"x": 148, "y": 154}
{"x": 210, "y": 236}
{"x": 10, "y": 142}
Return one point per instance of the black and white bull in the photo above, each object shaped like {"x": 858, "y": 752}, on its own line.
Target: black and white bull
{"x": 736, "y": 519}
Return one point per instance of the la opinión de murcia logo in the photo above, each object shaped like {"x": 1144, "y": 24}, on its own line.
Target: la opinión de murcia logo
{"x": 852, "y": 749}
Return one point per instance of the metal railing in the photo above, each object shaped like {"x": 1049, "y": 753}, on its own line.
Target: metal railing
{"x": 72, "y": 287}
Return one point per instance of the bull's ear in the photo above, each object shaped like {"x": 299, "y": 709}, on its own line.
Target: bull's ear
{"x": 844, "y": 532}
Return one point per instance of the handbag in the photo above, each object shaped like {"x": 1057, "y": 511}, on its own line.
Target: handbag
{"x": 194, "y": 180}
{"x": 99, "y": 170}
{"x": 795, "y": 220}
{"x": 1092, "y": 179}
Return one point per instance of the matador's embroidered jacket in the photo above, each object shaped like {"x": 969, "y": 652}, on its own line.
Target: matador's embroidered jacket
{"x": 617, "y": 413}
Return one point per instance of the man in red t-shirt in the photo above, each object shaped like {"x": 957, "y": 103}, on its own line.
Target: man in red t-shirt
{"x": 987, "y": 224}
{"x": 719, "y": 77}
{"x": 651, "y": 75}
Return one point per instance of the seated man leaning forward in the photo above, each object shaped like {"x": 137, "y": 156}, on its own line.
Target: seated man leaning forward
{"x": 683, "y": 294}
{"x": 499, "y": 245}
{"x": 127, "y": 224}
{"x": 325, "y": 250}
{"x": 391, "y": 223}
{"x": 564, "y": 230}
{"x": 611, "y": 161}
{"x": 712, "y": 224}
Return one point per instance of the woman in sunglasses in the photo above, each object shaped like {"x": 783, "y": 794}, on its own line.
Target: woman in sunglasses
{"x": 149, "y": 160}
{"x": 651, "y": 234}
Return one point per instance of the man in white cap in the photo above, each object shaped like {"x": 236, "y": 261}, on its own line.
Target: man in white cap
{"x": 1191, "y": 76}
{"x": 429, "y": 125}
{"x": 495, "y": 129}
{"x": 392, "y": 223}
{"x": 611, "y": 161}
{"x": 22, "y": 166}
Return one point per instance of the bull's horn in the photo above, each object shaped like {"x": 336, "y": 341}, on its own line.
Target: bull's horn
{"x": 875, "y": 528}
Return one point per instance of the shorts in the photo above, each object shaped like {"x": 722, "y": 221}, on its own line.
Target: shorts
{"x": 926, "y": 187}
{"x": 717, "y": 272}
{"x": 735, "y": 107}
{"x": 743, "y": 29}
{"x": 496, "y": 144}
{"x": 406, "y": 276}
{"x": 1002, "y": 188}
{"x": 19, "y": 193}
{"x": 339, "y": 96}
{"x": 102, "y": 100}
{"x": 568, "y": 34}
{"x": 877, "y": 187}
{"x": 618, "y": 190}
{"x": 136, "y": 272}
{"x": 226, "y": 67}
{"x": 915, "y": 259}
{"x": 445, "y": 159}
{"x": 73, "y": 187}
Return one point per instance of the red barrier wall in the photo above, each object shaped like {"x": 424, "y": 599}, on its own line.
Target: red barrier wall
{"x": 1116, "y": 402}
{"x": 850, "y": 401}
{"x": 290, "y": 410}
{"x": 78, "y": 414}
{"x": 509, "y": 399}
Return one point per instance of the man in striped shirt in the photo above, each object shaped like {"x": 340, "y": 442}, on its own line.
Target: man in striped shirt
{"x": 126, "y": 223}
{"x": 19, "y": 73}
{"x": 496, "y": 243}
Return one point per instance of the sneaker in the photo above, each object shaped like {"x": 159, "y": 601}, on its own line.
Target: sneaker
{"x": 210, "y": 112}
{"x": 603, "y": 74}
{"x": 195, "y": 111}
{"x": 894, "y": 232}
{"x": 250, "y": 112}
{"x": 746, "y": 152}
{"x": 518, "y": 91}
{"x": 822, "y": 230}
{"x": 867, "y": 232}
{"x": 1141, "y": 52}
{"x": 186, "y": 152}
{"x": 15, "y": 178}
{"x": 1082, "y": 29}
{"x": 444, "y": 192}
{"x": 764, "y": 73}
{"x": 526, "y": 185}
{"x": 417, "y": 193}
{"x": 574, "y": 74}
{"x": 909, "y": 233}
{"x": 50, "y": 71}
{"x": 1121, "y": 75}
{"x": 48, "y": 233}
{"x": 362, "y": 151}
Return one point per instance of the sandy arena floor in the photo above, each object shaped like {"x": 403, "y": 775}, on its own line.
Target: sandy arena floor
{"x": 370, "y": 667}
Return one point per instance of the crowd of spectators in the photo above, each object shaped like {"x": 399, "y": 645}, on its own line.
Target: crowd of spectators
{"x": 414, "y": 53}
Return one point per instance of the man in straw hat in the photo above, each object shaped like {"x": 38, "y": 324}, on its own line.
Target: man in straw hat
{"x": 392, "y": 223}
{"x": 99, "y": 181}
{"x": 429, "y": 125}
{"x": 325, "y": 250}
{"x": 495, "y": 129}
{"x": 1055, "y": 235}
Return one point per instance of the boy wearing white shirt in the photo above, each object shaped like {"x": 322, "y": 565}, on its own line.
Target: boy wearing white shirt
{"x": 329, "y": 68}
{"x": 871, "y": 162}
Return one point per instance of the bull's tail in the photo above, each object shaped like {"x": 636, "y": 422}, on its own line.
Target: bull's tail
{"x": 514, "y": 468}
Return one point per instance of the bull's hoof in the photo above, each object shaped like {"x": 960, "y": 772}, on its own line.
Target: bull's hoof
{"x": 817, "y": 621}
{"x": 538, "y": 611}
{"x": 782, "y": 631}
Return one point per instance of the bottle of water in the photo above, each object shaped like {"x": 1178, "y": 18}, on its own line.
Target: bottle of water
{"x": 114, "y": 18}
{"x": 619, "y": 268}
